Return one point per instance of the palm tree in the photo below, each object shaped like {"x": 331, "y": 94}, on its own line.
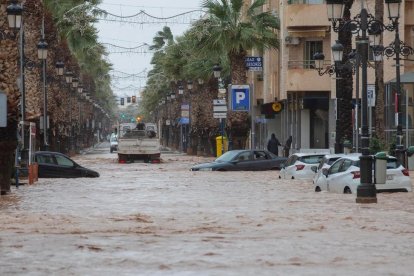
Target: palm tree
{"x": 344, "y": 88}
{"x": 234, "y": 29}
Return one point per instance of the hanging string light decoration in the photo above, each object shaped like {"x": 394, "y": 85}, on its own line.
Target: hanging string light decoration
{"x": 143, "y": 17}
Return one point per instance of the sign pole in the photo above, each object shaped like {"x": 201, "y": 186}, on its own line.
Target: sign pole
{"x": 252, "y": 131}
{"x": 222, "y": 134}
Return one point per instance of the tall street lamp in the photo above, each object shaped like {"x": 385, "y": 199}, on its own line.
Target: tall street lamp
{"x": 397, "y": 48}
{"x": 361, "y": 24}
{"x": 42, "y": 55}
{"x": 68, "y": 79}
{"x": 14, "y": 17}
{"x": 189, "y": 141}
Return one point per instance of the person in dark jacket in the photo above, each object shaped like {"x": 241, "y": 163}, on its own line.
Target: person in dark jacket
{"x": 273, "y": 144}
{"x": 287, "y": 146}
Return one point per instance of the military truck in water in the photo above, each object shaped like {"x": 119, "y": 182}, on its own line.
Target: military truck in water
{"x": 138, "y": 142}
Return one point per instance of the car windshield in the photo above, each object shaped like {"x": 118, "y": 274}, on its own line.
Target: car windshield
{"x": 313, "y": 159}
{"x": 226, "y": 157}
{"x": 391, "y": 163}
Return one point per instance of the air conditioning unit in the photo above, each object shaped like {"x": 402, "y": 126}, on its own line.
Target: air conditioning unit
{"x": 289, "y": 40}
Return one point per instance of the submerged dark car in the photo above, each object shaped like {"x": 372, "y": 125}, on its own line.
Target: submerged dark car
{"x": 57, "y": 165}
{"x": 243, "y": 160}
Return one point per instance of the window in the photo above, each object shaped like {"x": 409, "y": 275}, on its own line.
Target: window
{"x": 45, "y": 159}
{"x": 335, "y": 167}
{"x": 292, "y": 159}
{"x": 345, "y": 165}
{"x": 311, "y": 48}
{"x": 63, "y": 161}
{"x": 260, "y": 155}
{"x": 392, "y": 163}
{"x": 313, "y": 159}
{"x": 244, "y": 156}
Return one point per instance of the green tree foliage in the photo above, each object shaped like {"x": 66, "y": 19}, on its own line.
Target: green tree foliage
{"x": 75, "y": 21}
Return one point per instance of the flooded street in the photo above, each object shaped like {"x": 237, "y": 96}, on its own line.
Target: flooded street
{"x": 162, "y": 219}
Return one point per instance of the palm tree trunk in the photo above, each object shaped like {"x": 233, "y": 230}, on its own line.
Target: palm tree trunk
{"x": 379, "y": 84}
{"x": 344, "y": 90}
{"x": 238, "y": 121}
{"x": 8, "y": 134}
{"x": 8, "y": 145}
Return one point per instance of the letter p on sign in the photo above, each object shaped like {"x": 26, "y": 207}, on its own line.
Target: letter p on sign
{"x": 240, "y": 96}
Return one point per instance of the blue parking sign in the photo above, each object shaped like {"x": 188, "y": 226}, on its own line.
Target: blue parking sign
{"x": 240, "y": 97}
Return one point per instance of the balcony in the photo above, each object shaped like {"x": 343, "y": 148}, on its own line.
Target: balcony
{"x": 297, "y": 14}
{"x": 302, "y": 76}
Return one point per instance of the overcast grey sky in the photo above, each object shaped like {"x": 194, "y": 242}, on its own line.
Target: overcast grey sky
{"x": 132, "y": 34}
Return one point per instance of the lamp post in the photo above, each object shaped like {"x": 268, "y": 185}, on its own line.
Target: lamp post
{"x": 14, "y": 17}
{"x": 42, "y": 55}
{"x": 68, "y": 79}
{"x": 397, "y": 48}
{"x": 366, "y": 191}
{"x": 189, "y": 141}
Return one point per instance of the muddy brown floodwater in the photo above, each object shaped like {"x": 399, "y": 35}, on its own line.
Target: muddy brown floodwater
{"x": 162, "y": 219}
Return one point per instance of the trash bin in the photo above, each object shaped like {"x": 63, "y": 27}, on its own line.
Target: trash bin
{"x": 410, "y": 157}
{"x": 221, "y": 143}
{"x": 380, "y": 167}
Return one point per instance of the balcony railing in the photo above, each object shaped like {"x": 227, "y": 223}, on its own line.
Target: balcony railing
{"x": 305, "y": 64}
{"x": 309, "y": 2}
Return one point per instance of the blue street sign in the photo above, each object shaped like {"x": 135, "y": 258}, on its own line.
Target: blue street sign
{"x": 240, "y": 97}
{"x": 254, "y": 63}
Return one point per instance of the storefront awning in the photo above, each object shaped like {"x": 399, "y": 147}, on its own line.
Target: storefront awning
{"x": 405, "y": 78}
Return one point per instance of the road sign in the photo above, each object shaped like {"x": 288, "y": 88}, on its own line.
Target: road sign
{"x": 240, "y": 97}
{"x": 219, "y": 109}
{"x": 254, "y": 63}
{"x": 185, "y": 113}
{"x": 220, "y": 115}
{"x": 371, "y": 95}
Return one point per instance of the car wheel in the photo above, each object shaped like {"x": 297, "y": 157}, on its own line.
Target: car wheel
{"x": 221, "y": 170}
{"x": 317, "y": 189}
{"x": 347, "y": 190}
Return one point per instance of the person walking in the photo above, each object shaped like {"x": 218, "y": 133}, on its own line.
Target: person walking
{"x": 287, "y": 146}
{"x": 273, "y": 144}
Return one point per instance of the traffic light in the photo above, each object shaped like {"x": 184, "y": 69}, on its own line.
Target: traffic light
{"x": 134, "y": 99}
{"x": 122, "y": 101}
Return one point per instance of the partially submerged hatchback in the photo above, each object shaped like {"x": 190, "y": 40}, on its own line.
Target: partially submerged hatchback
{"x": 326, "y": 162}
{"x": 299, "y": 166}
{"x": 344, "y": 176}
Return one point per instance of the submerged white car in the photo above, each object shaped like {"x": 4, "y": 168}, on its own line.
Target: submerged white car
{"x": 344, "y": 176}
{"x": 299, "y": 166}
{"x": 326, "y": 163}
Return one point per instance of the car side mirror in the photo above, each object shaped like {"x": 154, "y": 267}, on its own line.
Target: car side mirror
{"x": 325, "y": 172}
{"x": 314, "y": 169}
